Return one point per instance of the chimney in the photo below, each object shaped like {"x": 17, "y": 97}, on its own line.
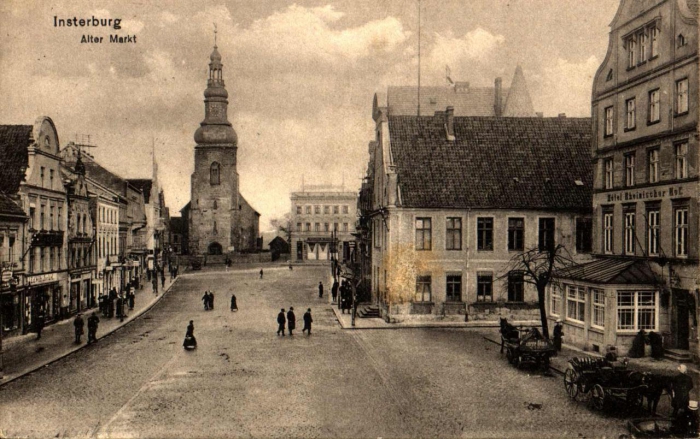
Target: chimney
{"x": 539, "y": 114}
{"x": 498, "y": 100}
{"x": 562, "y": 115}
{"x": 450, "y": 123}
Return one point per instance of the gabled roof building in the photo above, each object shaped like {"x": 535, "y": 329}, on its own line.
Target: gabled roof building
{"x": 450, "y": 199}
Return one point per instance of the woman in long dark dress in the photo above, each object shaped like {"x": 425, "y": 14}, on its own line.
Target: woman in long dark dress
{"x": 190, "y": 340}
{"x": 234, "y": 305}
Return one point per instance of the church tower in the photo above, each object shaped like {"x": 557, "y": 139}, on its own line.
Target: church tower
{"x": 215, "y": 201}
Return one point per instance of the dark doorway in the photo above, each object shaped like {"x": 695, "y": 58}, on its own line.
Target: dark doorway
{"x": 681, "y": 326}
{"x": 300, "y": 250}
{"x": 215, "y": 248}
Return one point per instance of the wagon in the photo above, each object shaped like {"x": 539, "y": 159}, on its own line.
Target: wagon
{"x": 602, "y": 382}
{"x": 527, "y": 347}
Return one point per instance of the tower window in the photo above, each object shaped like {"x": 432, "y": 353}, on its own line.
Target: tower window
{"x": 215, "y": 174}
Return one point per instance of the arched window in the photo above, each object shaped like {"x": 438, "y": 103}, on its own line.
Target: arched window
{"x": 215, "y": 174}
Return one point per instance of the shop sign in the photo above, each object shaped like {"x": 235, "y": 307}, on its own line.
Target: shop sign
{"x": 42, "y": 278}
{"x": 6, "y": 275}
{"x": 646, "y": 194}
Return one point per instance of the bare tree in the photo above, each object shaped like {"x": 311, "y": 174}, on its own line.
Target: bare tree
{"x": 283, "y": 225}
{"x": 538, "y": 267}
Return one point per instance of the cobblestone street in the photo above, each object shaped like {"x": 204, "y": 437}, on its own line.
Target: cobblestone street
{"x": 243, "y": 380}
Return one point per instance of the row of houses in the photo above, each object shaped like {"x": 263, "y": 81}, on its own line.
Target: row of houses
{"x": 454, "y": 202}
{"x": 70, "y": 230}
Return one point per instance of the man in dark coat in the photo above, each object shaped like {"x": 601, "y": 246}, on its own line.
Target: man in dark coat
{"x": 307, "y": 321}
{"x": 261, "y": 273}
{"x": 39, "y": 324}
{"x": 334, "y": 291}
{"x": 79, "y": 325}
{"x": 320, "y": 289}
{"x": 281, "y": 320}
{"x": 211, "y": 300}
{"x": 557, "y": 335}
{"x": 682, "y": 384}
{"x": 132, "y": 298}
{"x": 234, "y": 305}
{"x": 162, "y": 278}
{"x": 205, "y": 299}
{"x": 291, "y": 320}
{"x": 92, "y": 323}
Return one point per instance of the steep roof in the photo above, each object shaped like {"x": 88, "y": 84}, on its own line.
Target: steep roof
{"x": 518, "y": 102}
{"x": 612, "y": 271}
{"x": 467, "y": 101}
{"x": 14, "y": 141}
{"x": 107, "y": 178}
{"x": 514, "y": 163}
{"x": 9, "y": 207}
{"x": 145, "y": 185}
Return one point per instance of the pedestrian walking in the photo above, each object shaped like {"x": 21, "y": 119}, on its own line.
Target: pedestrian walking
{"x": 281, "y": 320}
{"x": 190, "y": 340}
{"x": 175, "y": 270}
{"x": 120, "y": 306}
{"x": 211, "y": 300}
{"x": 290, "y": 267}
{"x": 682, "y": 384}
{"x": 234, "y": 305}
{"x": 93, "y": 322}
{"x": 320, "y": 290}
{"x": 162, "y": 278}
{"x": 155, "y": 285}
{"x": 261, "y": 273}
{"x": 334, "y": 291}
{"x": 79, "y": 325}
{"x": 39, "y": 324}
{"x": 307, "y": 322}
{"x": 132, "y": 298}
{"x": 291, "y": 320}
{"x": 205, "y": 299}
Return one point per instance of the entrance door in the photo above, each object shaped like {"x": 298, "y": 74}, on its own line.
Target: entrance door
{"x": 215, "y": 248}
{"x": 682, "y": 326}
{"x": 300, "y": 250}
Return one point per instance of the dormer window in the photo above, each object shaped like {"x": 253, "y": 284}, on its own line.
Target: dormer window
{"x": 47, "y": 142}
{"x": 681, "y": 40}
{"x": 610, "y": 75}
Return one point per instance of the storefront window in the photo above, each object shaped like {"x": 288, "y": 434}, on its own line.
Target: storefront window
{"x": 575, "y": 303}
{"x": 10, "y": 310}
{"x": 636, "y": 310}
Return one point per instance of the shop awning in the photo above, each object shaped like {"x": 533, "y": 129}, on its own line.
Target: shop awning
{"x": 612, "y": 271}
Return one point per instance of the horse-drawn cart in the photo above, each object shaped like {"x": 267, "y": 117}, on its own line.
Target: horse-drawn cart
{"x": 525, "y": 346}
{"x": 602, "y": 382}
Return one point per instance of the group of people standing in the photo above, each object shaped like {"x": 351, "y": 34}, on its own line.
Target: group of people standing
{"x": 290, "y": 320}
{"x": 92, "y": 323}
{"x": 208, "y": 299}
{"x": 345, "y": 291}
{"x": 113, "y": 303}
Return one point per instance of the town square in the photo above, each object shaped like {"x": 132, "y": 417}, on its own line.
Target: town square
{"x": 351, "y": 218}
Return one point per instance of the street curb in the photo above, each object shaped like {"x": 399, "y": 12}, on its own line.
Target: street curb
{"x": 469, "y": 325}
{"x": 5, "y": 381}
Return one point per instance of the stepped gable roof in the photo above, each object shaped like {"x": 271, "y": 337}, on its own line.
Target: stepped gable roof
{"x": 518, "y": 102}
{"x": 14, "y": 141}
{"x": 145, "y": 185}
{"x": 612, "y": 271}
{"x": 9, "y": 207}
{"x": 496, "y": 163}
{"x": 467, "y": 101}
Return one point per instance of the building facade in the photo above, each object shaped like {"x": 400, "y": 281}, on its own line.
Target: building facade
{"x": 449, "y": 201}
{"x": 220, "y": 219}
{"x": 13, "y": 223}
{"x": 645, "y": 202}
{"x": 82, "y": 267}
{"x": 322, "y": 223}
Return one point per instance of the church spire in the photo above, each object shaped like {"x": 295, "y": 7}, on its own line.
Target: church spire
{"x": 215, "y": 129}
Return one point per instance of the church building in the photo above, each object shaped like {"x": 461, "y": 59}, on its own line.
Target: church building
{"x": 220, "y": 219}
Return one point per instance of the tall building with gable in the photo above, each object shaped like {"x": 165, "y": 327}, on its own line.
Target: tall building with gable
{"x": 220, "y": 219}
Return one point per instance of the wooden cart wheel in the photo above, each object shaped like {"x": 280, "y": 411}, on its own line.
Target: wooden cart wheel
{"x": 598, "y": 397}
{"x": 571, "y": 382}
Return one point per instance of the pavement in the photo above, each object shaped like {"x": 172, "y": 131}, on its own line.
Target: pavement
{"x": 24, "y": 354}
{"x": 243, "y": 380}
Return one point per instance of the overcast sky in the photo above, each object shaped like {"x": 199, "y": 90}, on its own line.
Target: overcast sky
{"x": 301, "y": 76}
